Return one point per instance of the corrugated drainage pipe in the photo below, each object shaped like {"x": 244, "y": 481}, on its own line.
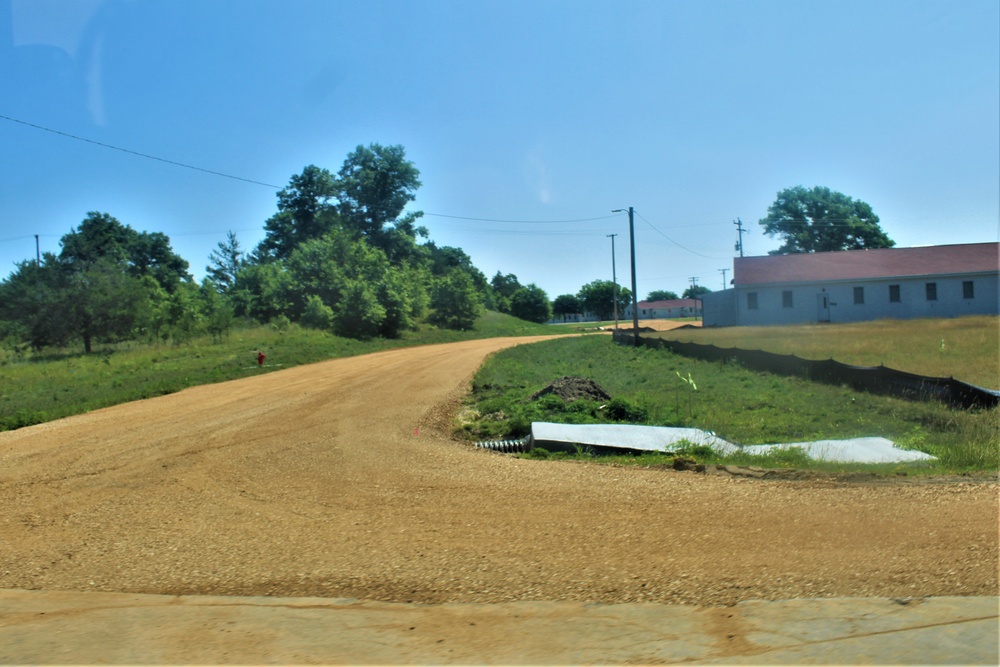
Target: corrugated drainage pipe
{"x": 507, "y": 446}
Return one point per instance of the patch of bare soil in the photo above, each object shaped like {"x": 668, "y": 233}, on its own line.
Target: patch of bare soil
{"x": 340, "y": 479}
{"x": 660, "y": 325}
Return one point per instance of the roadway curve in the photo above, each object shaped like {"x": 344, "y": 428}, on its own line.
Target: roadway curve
{"x": 339, "y": 479}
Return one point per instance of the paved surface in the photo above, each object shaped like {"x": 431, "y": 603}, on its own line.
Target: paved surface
{"x": 340, "y": 480}
{"x": 114, "y": 628}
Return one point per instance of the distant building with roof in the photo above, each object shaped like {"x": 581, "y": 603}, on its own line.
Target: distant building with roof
{"x": 666, "y": 309}
{"x": 859, "y": 285}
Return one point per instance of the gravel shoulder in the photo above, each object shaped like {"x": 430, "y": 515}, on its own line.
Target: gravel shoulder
{"x": 339, "y": 480}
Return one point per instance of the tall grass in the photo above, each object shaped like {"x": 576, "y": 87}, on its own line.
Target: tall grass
{"x": 965, "y": 348}
{"x": 739, "y": 405}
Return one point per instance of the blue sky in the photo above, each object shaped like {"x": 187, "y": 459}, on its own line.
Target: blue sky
{"x": 695, "y": 113}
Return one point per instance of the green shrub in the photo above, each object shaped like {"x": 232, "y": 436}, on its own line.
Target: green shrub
{"x": 621, "y": 410}
{"x": 537, "y": 453}
{"x": 686, "y": 448}
{"x": 22, "y": 418}
{"x": 317, "y": 315}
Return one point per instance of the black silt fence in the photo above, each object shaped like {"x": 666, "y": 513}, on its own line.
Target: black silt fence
{"x": 875, "y": 380}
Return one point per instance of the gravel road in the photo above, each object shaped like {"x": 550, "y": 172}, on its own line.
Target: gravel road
{"x": 339, "y": 479}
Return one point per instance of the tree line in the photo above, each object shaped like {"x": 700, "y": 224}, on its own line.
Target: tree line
{"x": 340, "y": 254}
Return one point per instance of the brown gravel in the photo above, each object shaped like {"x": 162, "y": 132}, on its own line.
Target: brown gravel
{"x": 339, "y": 480}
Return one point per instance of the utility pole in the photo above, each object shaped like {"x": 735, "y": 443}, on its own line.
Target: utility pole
{"x": 723, "y": 277}
{"x": 694, "y": 282}
{"x": 739, "y": 227}
{"x": 38, "y": 252}
{"x": 635, "y": 306}
{"x": 614, "y": 278}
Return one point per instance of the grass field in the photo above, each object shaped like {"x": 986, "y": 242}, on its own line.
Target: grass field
{"x": 35, "y": 388}
{"x": 659, "y": 388}
{"x": 966, "y": 348}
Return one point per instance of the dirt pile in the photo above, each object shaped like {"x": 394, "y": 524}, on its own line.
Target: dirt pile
{"x": 570, "y": 388}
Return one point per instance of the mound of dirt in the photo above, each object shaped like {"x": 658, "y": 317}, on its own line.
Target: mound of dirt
{"x": 571, "y": 388}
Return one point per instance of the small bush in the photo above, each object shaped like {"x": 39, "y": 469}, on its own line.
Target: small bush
{"x": 789, "y": 457}
{"x": 622, "y": 411}
{"x": 317, "y": 315}
{"x": 280, "y": 323}
{"x": 23, "y": 418}
{"x": 686, "y": 448}
{"x": 537, "y": 453}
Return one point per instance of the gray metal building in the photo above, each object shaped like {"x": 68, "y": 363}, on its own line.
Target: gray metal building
{"x": 859, "y": 285}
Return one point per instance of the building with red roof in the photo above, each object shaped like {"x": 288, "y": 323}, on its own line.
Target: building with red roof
{"x": 859, "y": 285}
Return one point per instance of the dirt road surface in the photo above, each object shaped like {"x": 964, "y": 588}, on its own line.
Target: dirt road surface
{"x": 340, "y": 480}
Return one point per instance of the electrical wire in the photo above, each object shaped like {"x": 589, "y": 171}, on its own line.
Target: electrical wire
{"x": 267, "y": 185}
{"x": 521, "y": 222}
{"x": 693, "y": 252}
{"x": 29, "y": 236}
{"x": 138, "y": 154}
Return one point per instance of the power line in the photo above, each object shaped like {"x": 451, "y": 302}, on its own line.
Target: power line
{"x": 515, "y": 232}
{"x": 268, "y": 185}
{"x": 673, "y": 241}
{"x": 29, "y": 236}
{"x": 520, "y": 222}
{"x": 138, "y": 154}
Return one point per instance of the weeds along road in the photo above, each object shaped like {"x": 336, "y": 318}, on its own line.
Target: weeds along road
{"x": 339, "y": 479}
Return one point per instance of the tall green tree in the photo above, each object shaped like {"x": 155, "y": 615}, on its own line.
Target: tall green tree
{"x": 306, "y": 211}
{"x": 150, "y": 254}
{"x": 225, "y": 262}
{"x": 101, "y": 237}
{"x": 348, "y": 274}
{"x": 662, "y": 295}
{"x": 565, "y": 305}
{"x": 358, "y": 314}
{"x": 531, "y": 303}
{"x": 597, "y": 297}
{"x": 502, "y": 290}
{"x": 105, "y": 285}
{"x": 455, "y": 302}
{"x": 32, "y": 299}
{"x": 216, "y": 309}
{"x": 261, "y": 291}
{"x": 445, "y": 258}
{"x": 99, "y": 302}
{"x": 822, "y": 220}
{"x": 695, "y": 292}
{"x": 374, "y": 185}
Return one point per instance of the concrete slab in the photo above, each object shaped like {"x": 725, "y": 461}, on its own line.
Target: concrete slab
{"x": 624, "y": 436}
{"x": 631, "y": 437}
{"x": 52, "y": 627}
{"x": 854, "y": 450}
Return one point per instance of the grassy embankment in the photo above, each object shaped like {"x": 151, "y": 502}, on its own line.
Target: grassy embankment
{"x": 967, "y": 348}
{"x": 35, "y": 388}
{"x": 756, "y": 408}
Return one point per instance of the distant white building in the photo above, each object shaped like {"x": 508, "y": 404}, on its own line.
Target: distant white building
{"x": 859, "y": 285}
{"x": 573, "y": 317}
{"x": 665, "y": 310}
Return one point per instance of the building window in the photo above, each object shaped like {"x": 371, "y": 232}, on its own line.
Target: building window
{"x": 859, "y": 295}
{"x": 786, "y": 299}
{"x": 894, "y": 294}
{"x": 931, "y": 291}
{"x": 968, "y": 291}
{"x": 752, "y": 300}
